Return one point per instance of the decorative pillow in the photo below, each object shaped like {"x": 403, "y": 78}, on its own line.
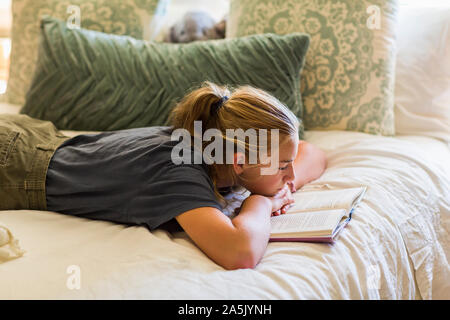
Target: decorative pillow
{"x": 422, "y": 86}
{"x": 128, "y": 17}
{"x": 88, "y": 80}
{"x": 348, "y": 79}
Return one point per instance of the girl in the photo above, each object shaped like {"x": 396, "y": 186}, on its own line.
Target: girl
{"x": 132, "y": 177}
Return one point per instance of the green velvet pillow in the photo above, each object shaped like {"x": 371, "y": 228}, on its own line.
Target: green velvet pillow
{"x": 89, "y": 80}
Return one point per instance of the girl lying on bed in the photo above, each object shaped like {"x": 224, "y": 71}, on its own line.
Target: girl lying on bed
{"x": 135, "y": 177}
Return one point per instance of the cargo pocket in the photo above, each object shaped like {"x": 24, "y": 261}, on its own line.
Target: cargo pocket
{"x": 7, "y": 146}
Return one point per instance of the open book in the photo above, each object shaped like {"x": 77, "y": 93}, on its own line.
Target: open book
{"x": 316, "y": 216}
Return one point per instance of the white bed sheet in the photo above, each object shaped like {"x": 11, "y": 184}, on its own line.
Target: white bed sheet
{"x": 396, "y": 246}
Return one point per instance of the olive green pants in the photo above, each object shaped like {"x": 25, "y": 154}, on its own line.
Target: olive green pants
{"x": 26, "y": 147}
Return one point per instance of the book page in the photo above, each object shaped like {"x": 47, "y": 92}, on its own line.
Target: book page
{"x": 326, "y": 199}
{"x": 323, "y": 222}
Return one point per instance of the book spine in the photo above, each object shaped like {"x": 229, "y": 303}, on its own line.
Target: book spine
{"x": 321, "y": 239}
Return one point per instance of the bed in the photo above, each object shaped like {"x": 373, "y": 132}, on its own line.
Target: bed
{"x": 397, "y": 245}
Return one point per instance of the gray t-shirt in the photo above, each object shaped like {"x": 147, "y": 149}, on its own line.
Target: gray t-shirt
{"x": 126, "y": 176}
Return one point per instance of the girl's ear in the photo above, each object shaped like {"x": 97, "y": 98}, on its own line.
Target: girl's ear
{"x": 238, "y": 163}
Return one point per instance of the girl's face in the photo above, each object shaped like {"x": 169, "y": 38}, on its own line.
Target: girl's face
{"x": 250, "y": 177}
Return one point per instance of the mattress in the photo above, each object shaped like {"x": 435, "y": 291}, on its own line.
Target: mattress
{"x": 397, "y": 245}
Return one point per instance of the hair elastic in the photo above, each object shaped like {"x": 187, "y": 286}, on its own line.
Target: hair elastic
{"x": 217, "y": 105}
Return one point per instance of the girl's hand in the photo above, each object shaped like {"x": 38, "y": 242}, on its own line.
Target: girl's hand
{"x": 291, "y": 186}
{"x": 285, "y": 208}
{"x": 281, "y": 201}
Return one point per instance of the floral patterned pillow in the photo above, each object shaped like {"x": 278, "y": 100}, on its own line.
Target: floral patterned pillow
{"x": 123, "y": 17}
{"x": 348, "y": 79}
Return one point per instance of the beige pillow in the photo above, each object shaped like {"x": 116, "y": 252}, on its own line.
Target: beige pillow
{"x": 123, "y": 17}
{"x": 348, "y": 79}
{"x": 422, "y": 86}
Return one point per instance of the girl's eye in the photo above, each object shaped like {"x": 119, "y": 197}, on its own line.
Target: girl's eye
{"x": 283, "y": 168}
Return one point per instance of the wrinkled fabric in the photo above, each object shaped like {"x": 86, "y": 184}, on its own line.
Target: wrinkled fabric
{"x": 126, "y": 176}
{"x": 9, "y": 245}
{"x": 26, "y": 146}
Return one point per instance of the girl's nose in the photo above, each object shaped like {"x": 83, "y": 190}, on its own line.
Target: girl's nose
{"x": 290, "y": 174}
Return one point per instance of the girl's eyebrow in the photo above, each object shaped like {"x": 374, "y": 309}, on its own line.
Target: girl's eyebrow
{"x": 286, "y": 160}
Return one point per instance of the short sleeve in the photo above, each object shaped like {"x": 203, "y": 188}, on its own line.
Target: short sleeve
{"x": 179, "y": 188}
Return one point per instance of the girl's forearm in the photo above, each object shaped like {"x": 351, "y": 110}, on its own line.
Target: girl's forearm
{"x": 309, "y": 164}
{"x": 253, "y": 223}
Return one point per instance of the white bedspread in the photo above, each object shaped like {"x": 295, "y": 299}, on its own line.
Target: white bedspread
{"x": 397, "y": 245}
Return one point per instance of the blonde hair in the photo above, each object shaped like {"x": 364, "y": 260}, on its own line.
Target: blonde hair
{"x": 244, "y": 108}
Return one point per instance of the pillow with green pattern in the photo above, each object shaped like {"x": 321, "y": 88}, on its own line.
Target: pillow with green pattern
{"x": 348, "y": 79}
{"x": 88, "y": 80}
{"x": 124, "y": 17}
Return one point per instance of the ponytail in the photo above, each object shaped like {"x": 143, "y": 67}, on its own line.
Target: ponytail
{"x": 202, "y": 105}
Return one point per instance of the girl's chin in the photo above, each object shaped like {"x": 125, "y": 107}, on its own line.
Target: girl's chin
{"x": 266, "y": 193}
{"x": 273, "y": 193}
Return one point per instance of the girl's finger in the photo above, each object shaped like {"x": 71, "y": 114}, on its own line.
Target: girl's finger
{"x": 282, "y": 192}
{"x": 292, "y": 187}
